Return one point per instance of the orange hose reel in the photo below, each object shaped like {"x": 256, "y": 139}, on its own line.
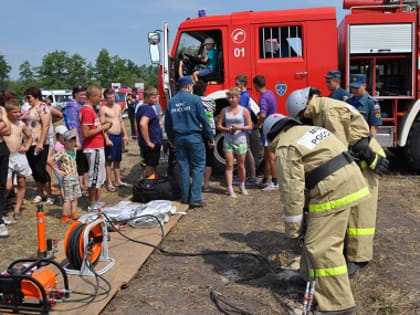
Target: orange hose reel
{"x": 94, "y": 249}
{"x": 85, "y": 244}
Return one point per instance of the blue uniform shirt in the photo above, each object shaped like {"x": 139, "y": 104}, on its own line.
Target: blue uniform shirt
{"x": 185, "y": 116}
{"x": 369, "y": 108}
{"x": 340, "y": 94}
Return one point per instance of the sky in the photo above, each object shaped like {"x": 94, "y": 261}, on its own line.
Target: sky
{"x": 31, "y": 29}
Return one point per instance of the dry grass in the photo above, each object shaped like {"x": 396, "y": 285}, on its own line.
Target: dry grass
{"x": 181, "y": 285}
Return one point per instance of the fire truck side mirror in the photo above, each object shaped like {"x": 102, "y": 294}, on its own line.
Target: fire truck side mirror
{"x": 154, "y": 38}
{"x": 154, "y": 54}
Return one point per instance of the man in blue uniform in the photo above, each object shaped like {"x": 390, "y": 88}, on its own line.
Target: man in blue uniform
{"x": 186, "y": 124}
{"x": 333, "y": 79}
{"x": 366, "y": 104}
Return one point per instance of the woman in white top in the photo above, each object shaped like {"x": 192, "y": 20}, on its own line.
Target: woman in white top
{"x": 234, "y": 121}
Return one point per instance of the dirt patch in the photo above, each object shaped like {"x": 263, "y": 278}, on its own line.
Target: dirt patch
{"x": 181, "y": 285}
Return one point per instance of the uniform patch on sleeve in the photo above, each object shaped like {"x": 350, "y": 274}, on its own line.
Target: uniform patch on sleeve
{"x": 378, "y": 113}
{"x": 377, "y": 106}
{"x": 313, "y": 137}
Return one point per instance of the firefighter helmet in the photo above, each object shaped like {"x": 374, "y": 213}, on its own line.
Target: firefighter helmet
{"x": 297, "y": 101}
{"x": 275, "y": 123}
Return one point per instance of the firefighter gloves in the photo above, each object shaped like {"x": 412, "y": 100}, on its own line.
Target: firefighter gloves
{"x": 379, "y": 165}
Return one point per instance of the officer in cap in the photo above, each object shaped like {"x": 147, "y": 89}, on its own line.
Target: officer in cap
{"x": 317, "y": 173}
{"x": 333, "y": 79}
{"x": 186, "y": 124}
{"x": 366, "y": 104}
{"x": 350, "y": 127}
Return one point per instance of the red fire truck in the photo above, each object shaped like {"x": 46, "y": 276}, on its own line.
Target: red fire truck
{"x": 296, "y": 48}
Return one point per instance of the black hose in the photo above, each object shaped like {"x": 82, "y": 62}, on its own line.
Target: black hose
{"x": 218, "y": 301}
{"x": 215, "y": 297}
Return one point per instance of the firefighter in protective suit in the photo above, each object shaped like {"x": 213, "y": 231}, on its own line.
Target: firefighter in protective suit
{"x": 318, "y": 174}
{"x": 348, "y": 125}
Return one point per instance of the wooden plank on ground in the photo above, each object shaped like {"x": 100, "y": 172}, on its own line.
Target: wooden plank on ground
{"x": 129, "y": 257}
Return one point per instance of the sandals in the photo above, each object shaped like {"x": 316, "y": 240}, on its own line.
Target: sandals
{"x": 17, "y": 215}
{"x": 206, "y": 189}
{"x": 123, "y": 184}
{"x": 110, "y": 188}
{"x": 74, "y": 215}
{"x": 37, "y": 199}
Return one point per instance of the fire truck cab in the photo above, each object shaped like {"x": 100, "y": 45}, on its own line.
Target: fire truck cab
{"x": 284, "y": 46}
{"x": 296, "y": 48}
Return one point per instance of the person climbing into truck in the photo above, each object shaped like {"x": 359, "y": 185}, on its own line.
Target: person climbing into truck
{"x": 210, "y": 59}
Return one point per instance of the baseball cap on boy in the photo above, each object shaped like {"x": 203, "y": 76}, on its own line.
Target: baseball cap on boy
{"x": 68, "y": 135}
{"x": 61, "y": 130}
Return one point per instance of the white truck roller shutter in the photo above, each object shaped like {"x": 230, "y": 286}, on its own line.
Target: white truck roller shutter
{"x": 381, "y": 38}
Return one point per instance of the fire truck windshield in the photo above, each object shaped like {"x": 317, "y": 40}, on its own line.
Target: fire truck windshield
{"x": 188, "y": 44}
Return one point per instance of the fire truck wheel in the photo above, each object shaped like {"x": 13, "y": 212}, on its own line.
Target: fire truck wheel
{"x": 412, "y": 148}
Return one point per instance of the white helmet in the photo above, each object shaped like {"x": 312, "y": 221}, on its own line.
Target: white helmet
{"x": 270, "y": 121}
{"x": 209, "y": 40}
{"x": 297, "y": 101}
{"x": 275, "y": 123}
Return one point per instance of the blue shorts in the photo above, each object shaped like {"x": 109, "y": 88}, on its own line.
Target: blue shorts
{"x": 205, "y": 71}
{"x": 114, "y": 153}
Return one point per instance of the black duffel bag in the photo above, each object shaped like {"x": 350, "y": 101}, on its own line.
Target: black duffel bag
{"x": 162, "y": 188}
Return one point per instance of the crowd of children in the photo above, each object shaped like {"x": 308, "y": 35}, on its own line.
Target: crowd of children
{"x": 82, "y": 155}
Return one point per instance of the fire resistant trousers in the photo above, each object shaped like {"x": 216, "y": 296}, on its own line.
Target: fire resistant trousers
{"x": 362, "y": 223}
{"x": 324, "y": 239}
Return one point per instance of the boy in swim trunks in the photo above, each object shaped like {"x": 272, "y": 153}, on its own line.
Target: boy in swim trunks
{"x": 111, "y": 112}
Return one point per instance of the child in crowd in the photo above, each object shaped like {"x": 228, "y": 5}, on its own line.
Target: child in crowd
{"x": 68, "y": 171}
{"x": 58, "y": 146}
{"x": 18, "y": 163}
{"x": 111, "y": 112}
{"x": 150, "y": 131}
{"x": 93, "y": 146}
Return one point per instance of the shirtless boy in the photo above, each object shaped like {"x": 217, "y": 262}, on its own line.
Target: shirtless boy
{"x": 111, "y": 112}
{"x": 4, "y": 160}
{"x": 18, "y": 163}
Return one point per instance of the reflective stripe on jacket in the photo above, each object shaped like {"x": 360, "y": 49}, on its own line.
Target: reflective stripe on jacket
{"x": 299, "y": 150}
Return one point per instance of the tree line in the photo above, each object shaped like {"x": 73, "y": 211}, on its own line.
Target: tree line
{"x": 60, "y": 70}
